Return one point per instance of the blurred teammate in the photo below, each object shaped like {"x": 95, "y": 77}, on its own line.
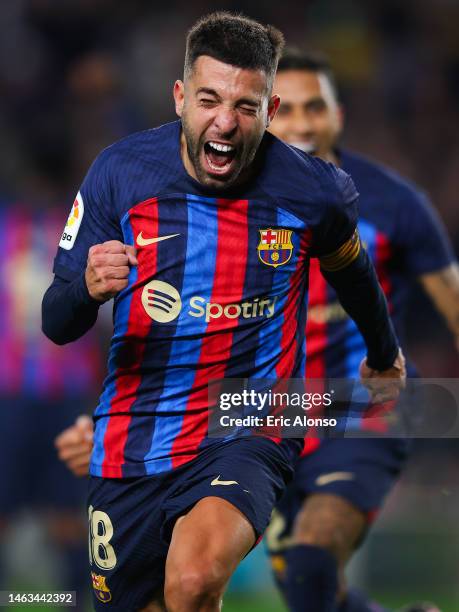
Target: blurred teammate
{"x": 42, "y": 390}
{"x": 202, "y": 230}
{"x": 340, "y": 484}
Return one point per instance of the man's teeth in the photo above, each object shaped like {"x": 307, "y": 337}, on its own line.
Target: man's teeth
{"x": 220, "y": 147}
{"x": 307, "y": 147}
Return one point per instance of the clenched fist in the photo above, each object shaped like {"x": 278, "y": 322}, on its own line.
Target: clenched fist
{"x": 107, "y": 269}
{"x": 74, "y": 445}
{"x": 384, "y": 386}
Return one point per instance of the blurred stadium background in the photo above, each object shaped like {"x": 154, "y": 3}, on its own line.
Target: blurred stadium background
{"x": 75, "y": 75}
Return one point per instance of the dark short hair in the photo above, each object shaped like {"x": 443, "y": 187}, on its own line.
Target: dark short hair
{"x": 298, "y": 59}
{"x": 237, "y": 40}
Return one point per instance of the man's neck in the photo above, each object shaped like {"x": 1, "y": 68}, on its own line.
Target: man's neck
{"x": 333, "y": 157}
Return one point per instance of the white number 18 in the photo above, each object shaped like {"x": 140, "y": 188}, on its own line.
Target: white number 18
{"x": 101, "y": 552}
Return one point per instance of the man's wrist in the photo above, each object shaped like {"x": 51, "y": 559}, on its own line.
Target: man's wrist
{"x": 380, "y": 362}
{"x": 82, "y": 292}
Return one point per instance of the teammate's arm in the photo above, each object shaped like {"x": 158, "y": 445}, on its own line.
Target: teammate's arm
{"x": 74, "y": 445}
{"x": 443, "y": 288}
{"x": 428, "y": 255}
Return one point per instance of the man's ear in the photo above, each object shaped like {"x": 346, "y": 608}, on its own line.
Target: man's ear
{"x": 179, "y": 97}
{"x": 273, "y": 106}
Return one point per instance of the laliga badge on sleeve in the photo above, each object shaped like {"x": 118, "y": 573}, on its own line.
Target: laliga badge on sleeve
{"x": 73, "y": 224}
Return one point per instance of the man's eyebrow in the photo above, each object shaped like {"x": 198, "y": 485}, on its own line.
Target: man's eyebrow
{"x": 212, "y": 92}
{"x": 315, "y": 100}
{"x": 207, "y": 90}
{"x": 249, "y": 102}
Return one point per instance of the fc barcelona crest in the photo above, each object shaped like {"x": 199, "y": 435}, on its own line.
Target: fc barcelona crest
{"x": 275, "y": 247}
{"x": 101, "y": 590}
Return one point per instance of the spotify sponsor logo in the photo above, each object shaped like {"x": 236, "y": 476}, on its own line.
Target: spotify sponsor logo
{"x": 162, "y": 303}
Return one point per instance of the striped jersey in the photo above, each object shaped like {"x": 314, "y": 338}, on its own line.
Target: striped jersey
{"x": 220, "y": 289}
{"x": 404, "y": 238}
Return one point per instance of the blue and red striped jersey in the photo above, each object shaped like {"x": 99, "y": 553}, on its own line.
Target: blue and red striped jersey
{"x": 220, "y": 289}
{"x": 404, "y": 238}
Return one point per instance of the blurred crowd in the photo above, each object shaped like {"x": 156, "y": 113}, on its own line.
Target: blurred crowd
{"x": 76, "y": 75}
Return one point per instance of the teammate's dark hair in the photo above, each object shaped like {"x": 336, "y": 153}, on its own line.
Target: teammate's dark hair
{"x": 236, "y": 40}
{"x": 298, "y": 59}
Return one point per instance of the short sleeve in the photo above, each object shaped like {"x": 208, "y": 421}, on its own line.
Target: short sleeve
{"x": 425, "y": 243}
{"x": 92, "y": 220}
{"x": 340, "y": 219}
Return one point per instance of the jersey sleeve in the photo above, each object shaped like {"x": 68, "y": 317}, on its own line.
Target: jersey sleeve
{"x": 425, "y": 243}
{"x": 92, "y": 220}
{"x": 336, "y": 236}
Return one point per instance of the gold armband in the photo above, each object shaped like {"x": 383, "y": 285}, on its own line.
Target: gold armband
{"x": 343, "y": 256}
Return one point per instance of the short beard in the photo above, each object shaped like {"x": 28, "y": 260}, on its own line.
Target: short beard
{"x": 192, "y": 147}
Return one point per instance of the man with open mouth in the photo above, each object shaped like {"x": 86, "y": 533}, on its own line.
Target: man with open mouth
{"x": 207, "y": 210}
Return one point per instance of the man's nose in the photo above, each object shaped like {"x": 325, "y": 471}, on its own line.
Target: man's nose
{"x": 226, "y": 120}
{"x": 303, "y": 124}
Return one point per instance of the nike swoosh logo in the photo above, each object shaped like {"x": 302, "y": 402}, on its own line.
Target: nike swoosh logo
{"x": 326, "y": 479}
{"x": 225, "y": 483}
{"x": 141, "y": 241}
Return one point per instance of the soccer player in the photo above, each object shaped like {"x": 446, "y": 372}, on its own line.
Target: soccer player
{"x": 202, "y": 231}
{"x": 340, "y": 484}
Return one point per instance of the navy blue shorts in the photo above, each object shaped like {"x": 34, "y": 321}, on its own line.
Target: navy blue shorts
{"x": 33, "y": 476}
{"x": 360, "y": 470}
{"x": 133, "y": 518}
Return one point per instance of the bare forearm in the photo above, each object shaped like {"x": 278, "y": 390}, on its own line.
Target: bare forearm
{"x": 443, "y": 289}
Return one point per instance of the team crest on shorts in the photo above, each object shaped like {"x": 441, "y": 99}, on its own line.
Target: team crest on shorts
{"x": 100, "y": 588}
{"x": 275, "y": 247}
